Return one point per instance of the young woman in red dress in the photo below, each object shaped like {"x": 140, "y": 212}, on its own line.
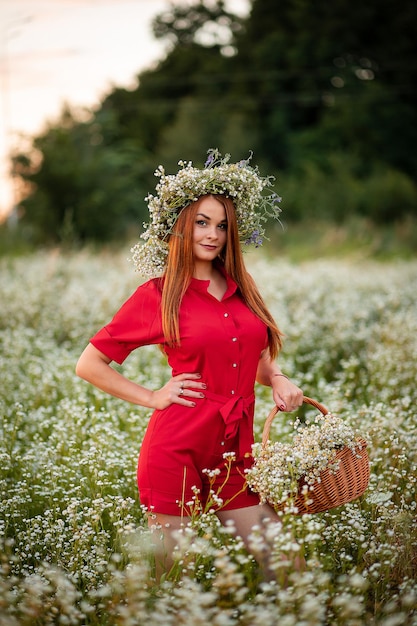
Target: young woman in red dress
{"x": 206, "y": 313}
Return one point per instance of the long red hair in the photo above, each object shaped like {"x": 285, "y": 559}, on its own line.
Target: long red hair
{"x": 180, "y": 268}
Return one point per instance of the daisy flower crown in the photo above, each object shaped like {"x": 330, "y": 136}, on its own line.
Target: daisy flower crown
{"x": 239, "y": 181}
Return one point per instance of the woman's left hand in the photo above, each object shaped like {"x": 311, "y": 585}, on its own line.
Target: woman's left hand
{"x": 287, "y": 396}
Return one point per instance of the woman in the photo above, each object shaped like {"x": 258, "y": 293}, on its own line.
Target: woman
{"x": 209, "y": 318}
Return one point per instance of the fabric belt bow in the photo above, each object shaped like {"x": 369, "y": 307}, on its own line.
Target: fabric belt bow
{"x": 236, "y": 415}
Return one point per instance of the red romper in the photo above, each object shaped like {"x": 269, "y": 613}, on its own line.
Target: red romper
{"x": 221, "y": 340}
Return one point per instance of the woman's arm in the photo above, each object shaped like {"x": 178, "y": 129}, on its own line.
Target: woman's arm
{"x": 94, "y": 367}
{"x": 287, "y": 396}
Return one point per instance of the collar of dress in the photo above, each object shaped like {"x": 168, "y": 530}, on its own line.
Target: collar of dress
{"x": 202, "y": 285}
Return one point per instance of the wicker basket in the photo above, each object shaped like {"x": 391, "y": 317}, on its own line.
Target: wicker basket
{"x": 335, "y": 488}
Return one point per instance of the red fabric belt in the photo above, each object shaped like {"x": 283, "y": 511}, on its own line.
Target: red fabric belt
{"x": 237, "y": 418}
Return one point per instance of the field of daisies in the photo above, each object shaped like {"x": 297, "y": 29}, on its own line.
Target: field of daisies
{"x": 74, "y": 544}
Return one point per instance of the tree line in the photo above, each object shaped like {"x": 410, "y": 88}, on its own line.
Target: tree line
{"x": 324, "y": 94}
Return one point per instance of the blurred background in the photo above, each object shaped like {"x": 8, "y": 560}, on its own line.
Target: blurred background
{"x": 95, "y": 94}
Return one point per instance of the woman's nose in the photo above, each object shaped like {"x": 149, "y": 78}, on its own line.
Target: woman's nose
{"x": 212, "y": 232}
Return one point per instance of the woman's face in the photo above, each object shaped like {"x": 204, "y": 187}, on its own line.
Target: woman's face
{"x": 210, "y": 230}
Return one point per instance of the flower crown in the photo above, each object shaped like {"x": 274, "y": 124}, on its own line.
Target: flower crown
{"x": 238, "y": 181}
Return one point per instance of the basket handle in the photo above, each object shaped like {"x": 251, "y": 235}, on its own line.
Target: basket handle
{"x": 274, "y": 411}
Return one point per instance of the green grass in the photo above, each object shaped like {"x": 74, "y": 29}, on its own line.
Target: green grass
{"x": 357, "y": 239}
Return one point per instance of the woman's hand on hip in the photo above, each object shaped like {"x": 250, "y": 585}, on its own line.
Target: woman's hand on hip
{"x": 182, "y": 389}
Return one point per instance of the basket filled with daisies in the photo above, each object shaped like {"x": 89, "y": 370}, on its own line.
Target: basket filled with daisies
{"x": 326, "y": 465}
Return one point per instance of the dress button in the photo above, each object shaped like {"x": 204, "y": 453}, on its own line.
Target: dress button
{"x": 222, "y": 443}
{"x": 234, "y": 338}
{"x": 234, "y": 365}
{"x": 233, "y": 392}
{"x": 226, "y": 314}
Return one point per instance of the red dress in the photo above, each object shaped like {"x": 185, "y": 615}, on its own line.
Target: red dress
{"x": 221, "y": 340}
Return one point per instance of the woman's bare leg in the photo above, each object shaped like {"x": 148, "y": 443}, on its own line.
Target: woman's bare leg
{"x": 245, "y": 520}
{"x": 162, "y": 528}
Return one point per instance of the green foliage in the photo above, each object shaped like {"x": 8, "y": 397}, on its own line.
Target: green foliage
{"x": 206, "y": 22}
{"x": 336, "y": 190}
{"x": 86, "y": 188}
{"x": 323, "y": 93}
{"x": 388, "y": 195}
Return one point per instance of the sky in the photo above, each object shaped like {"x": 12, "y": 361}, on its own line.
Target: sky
{"x": 54, "y": 52}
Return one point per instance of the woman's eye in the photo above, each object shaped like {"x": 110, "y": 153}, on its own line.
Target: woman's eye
{"x": 201, "y": 222}
{"x": 223, "y": 226}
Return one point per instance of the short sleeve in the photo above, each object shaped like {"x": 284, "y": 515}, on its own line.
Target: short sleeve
{"x": 137, "y": 323}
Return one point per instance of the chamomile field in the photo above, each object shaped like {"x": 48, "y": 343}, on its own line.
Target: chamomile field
{"x": 74, "y": 544}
